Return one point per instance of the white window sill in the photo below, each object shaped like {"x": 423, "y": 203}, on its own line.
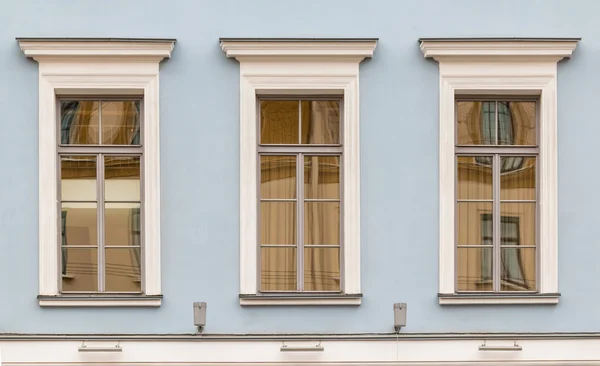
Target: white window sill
{"x": 99, "y": 301}
{"x": 493, "y": 299}
{"x": 300, "y": 300}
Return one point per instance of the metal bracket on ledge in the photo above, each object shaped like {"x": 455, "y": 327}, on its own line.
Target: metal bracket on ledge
{"x": 85, "y": 348}
{"x": 485, "y": 347}
{"x": 317, "y": 348}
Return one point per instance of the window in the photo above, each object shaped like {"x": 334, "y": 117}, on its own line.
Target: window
{"x": 299, "y": 170}
{"x": 100, "y": 154}
{"x": 299, "y": 206}
{"x": 99, "y": 179}
{"x": 496, "y": 159}
{"x": 498, "y": 169}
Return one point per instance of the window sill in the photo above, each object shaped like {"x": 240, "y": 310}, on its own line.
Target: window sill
{"x": 494, "y": 299}
{"x": 300, "y": 300}
{"x": 99, "y": 301}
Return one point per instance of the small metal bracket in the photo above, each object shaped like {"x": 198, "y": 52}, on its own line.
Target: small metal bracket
{"x": 485, "y": 347}
{"x": 286, "y": 348}
{"x": 85, "y": 348}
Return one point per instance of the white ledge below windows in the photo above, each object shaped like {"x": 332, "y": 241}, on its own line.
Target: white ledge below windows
{"x": 99, "y": 301}
{"x": 300, "y": 300}
{"x": 495, "y": 299}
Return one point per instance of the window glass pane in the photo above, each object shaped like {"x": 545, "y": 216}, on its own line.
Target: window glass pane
{"x": 79, "y": 223}
{"x": 474, "y": 269}
{"x": 518, "y": 269}
{"x": 476, "y": 123}
{"x": 121, "y": 123}
{"x": 78, "y": 178}
{"x": 278, "y": 222}
{"x": 517, "y": 178}
{"x": 79, "y": 269}
{"x": 518, "y": 223}
{"x": 322, "y": 177}
{"x": 322, "y": 223}
{"x": 469, "y": 222}
{"x": 122, "y": 269}
{"x": 122, "y": 178}
{"x": 474, "y": 177}
{"x": 516, "y": 123}
{"x": 321, "y": 122}
{"x": 278, "y": 269}
{"x": 279, "y": 121}
{"x": 277, "y": 176}
{"x": 79, "y": 122}
{"x": 321, "y": 269}
{"x": 122, "y": 224}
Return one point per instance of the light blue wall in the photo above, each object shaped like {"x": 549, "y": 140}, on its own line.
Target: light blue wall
{"x": 199, "y": 151}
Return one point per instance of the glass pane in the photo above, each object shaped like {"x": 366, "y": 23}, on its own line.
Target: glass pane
{"x": 321, "y": 122}
{"x": 516, "y": 123}
{"x": 475, "y": 123}
{"x": 321, "y": 269}
{"x": 518, "y": 223}
{"x": 79, "y": 269}
{"x": 278, "y": 269}
{"x": 322, "y": 177}
{"x": 122, "y": 224}
{"x": 518, "y": 269}
{"x": 474, "y": 269}
{"x": 78, "y": 178}
{"x": 79, "y": 122}
{"x": 517, "y": 178}
{"x": 474, "y": 177}
{"x": 322, "y": 223}
{"x": 278, "y": 222}
{"x": 79, "y": 224}
{"x": 121, "y": 123}
{"x": 277, "y": 176}
{"x": 122, "y": 269}
{"x": 472, "y": 222}
{"x": 279, "y": 121}
{"x": 122, "y": 178}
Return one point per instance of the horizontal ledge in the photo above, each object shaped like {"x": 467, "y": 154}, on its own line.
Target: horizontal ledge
{"x": 300, "y": 300}
{"x": 484, "y": 299}
{"x": 100, "y": 301}
{"x": 91, "y": 39}
{"x": 298, "y": 39}
{"x": 501, "y": 39}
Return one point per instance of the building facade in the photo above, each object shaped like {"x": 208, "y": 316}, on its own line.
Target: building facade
{"x": 298, "y": 183}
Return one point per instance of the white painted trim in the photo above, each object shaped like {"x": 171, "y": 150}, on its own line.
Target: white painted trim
{"x": 498, "y": 300}
{"x": 140, "y": 302}
{"x": 115, "y": 70}
{"x": 473, "y": 68}
{"x": 413, "y": 352}
{"x": 275, "y": 67}
{"x": 298, "y": 301}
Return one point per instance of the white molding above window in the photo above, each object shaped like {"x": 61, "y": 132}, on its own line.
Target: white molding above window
{"x": 95, "y": 67}
{"x": 296, "y": 66}
{"x": 499, "y": 66}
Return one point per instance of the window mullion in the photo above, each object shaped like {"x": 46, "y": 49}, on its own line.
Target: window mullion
{"x": 496, "y": 223}
{"x": 100, "y": 210}
{"x": 300, "y": 221}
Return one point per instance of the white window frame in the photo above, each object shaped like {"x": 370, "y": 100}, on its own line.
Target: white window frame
{"x": 97, "y": 67}
{"x": 299, "y": 67}
{"x": 507, "y": 67}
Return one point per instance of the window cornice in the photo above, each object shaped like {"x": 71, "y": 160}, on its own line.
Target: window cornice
{"x": 442, "y": 49}
{"x": 356, "y": 48}
{"x": 120, "y": 48}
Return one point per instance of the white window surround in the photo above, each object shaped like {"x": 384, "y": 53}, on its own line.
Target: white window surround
{"x": 499, "y": 66}
{"x": 97, "y": 67}
{"x": 299, "y": 66}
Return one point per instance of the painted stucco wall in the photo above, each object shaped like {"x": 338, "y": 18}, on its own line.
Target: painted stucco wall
{"x": 199, "y": 152}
